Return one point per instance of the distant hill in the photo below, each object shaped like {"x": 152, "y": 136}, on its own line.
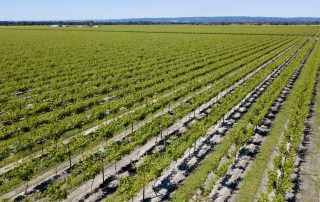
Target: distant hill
{"x": 179, "y": 20}
{"x": 219, "y": 20}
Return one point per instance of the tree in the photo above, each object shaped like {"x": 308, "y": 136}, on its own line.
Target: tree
{"x": 95, "y": 169}
{"x": 107, "y": 132}
{"x": 55, "y": 137}
{"x": 89, "y": 23}
{"x": 56, "y": 193}
{"x": 68, "y": 150}
{"x": 25, "y": 173}
{"x": 82, "y": 141}
{"x": 59, "y": 156}
{"x": 239, "y": 138}
{"x": 102, "y": 169}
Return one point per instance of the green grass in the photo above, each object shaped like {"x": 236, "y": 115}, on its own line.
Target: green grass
{"x": 318, "y": 108}
{"x": 250, "y": 184}
{"x": 210, "y": 163}
{"x": 249, "y": 188}
{"x": 194, "y": 182}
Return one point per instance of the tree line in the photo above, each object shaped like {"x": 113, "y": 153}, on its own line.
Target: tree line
{"x": 90, "y": 23}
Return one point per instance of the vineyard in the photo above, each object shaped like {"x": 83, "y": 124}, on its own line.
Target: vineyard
{"x": 160, "y": 113}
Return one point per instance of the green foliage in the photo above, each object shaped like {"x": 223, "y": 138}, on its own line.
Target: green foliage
{"x": 238, "y": 135}
{"x": 75, "y": 80}
{"x": 25, "y": 172}
{"x": 57, "y": 193}
{"x": 299, "y": 102}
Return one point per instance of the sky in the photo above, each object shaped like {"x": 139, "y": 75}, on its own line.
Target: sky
{"x": 118, "y": 9}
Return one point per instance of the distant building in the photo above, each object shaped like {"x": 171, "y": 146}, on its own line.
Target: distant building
{"x": 59, "y": 26}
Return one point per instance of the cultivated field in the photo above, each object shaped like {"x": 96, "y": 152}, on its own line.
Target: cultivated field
{"x": 160, "y": 113}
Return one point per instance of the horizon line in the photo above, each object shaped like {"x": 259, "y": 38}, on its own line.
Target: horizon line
{"x": 106, "y": 19}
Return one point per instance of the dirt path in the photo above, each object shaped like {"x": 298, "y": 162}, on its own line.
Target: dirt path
{"x": 226, "y": 187}
{"x": 264, "y": 179}
{"x": 309, "y": 174}
{"x": 89, "y": 131}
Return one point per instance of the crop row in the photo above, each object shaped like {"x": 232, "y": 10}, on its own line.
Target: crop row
{"x": 246, "y": 154}
{"x": 86, "y": 177}
{"x": 217, "y": 163}
{"x": 80, "y": 108}
{"x": 27, "y": 143}
{"x": 282, "y": 178}
{"x": 139, "y": 134}
{"x": 172, "y": 178}
{"x": 155, "y": 164}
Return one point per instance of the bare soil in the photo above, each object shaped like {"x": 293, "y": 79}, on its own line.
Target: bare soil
{"x": 310, "y": 170}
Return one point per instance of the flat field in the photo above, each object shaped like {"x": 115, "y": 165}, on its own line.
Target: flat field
{"x": 158, "y": 113}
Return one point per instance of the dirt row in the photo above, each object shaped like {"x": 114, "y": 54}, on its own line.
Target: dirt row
{"x": 227, "y": 186}
{"x": 171, "y": 179}
{"x": 121, "y": 134}
{"x": 126, "y": 164}
{"x": 92, "y": 129}
{"x": 306, "y": 178}
{"x": 43, "y": 180}
{"x": 118, "y": 137}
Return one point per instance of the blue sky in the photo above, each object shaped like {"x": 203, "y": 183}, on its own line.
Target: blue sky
{"x": 115, "y": 9}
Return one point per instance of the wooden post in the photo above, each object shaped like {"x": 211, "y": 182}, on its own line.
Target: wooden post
{"x": 42, "y": 146}
{"x": 143, "y": 194}
{"x": 102, "y": 170}
{"x": 69, "y": 153}
{"x": 92, "y": 183}
{"x": 102, "y": 174}
{"x": 25, "y": 193}
{"x": 132, "y": 127}
{"x": 143, "y": 190}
